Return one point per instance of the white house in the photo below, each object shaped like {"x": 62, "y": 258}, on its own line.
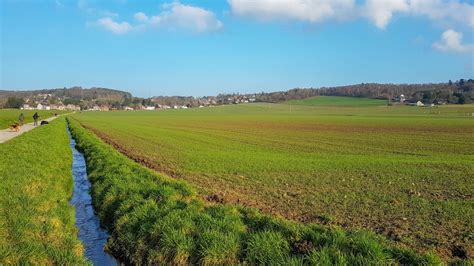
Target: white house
{"x": 402, "y": 98}
{"x": 72, "y": 107}
{"x": 27, "y": 107}
{"x": 128, "y": 108}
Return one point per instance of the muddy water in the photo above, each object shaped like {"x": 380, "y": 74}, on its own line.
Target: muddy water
{"x": 92, "y": 236}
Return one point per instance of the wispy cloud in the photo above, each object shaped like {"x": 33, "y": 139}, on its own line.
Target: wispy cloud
{"x": 302, "y": 10}
{"x": 173, "y": 16}
{"x": 58, "y": 3}
{"x": 444, "y": 11}
{"x": 179, "y": 16}
{"x": 84, "y": 6}
{"x": 451, "y": 41}
{"x": 114, "y": 26}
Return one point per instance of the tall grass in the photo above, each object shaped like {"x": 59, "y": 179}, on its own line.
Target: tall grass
{"x": 36, "y": 220}
{"x": 154, "y": 219}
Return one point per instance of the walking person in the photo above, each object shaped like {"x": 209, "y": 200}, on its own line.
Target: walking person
{"x": 21, "y": 119}
{"x": 35, "y": 117}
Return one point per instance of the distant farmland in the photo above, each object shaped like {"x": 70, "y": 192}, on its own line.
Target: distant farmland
{"x": 338, "y": 101}
{"x": 405, "y": 172}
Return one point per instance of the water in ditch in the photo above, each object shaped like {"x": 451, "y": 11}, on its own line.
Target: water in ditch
{"x": 92, "y": 236}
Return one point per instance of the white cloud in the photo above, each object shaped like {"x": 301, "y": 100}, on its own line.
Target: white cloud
{"x": 173, "y": 16}
{"x": 303, "y": 10}
{"x": 451, "y": 10}
{"x": 179, "y": 16}
{"x": 141, "y": 17}
{"x": 85, "y": 7}
{"x": 451, "y": 41}
{"x": 113, "y": 26}
{"x": 380, "y": 12}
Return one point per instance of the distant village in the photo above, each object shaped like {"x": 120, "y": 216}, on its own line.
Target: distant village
{"x": 103, "y": 99}
{"x": 402, "y": 100}
{"x": 43, "y": 102}
{"x": 157, "y": 103}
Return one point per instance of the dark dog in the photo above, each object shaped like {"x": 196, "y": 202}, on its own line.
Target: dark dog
{"x": 44, "y": 122}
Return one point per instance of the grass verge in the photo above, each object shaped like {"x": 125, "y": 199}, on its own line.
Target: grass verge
{"x": 10, "y": 116}
{"x": 154, "y": 219}
{"x": 36, "y": 220}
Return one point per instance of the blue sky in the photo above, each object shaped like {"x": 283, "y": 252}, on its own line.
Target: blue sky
{"x": 209, "y": 47}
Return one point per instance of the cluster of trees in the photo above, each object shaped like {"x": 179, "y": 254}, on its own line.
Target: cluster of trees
{"x": 14, "y": 102}
{"x": 458, "y": 92}
{"x": 74, "y": 95}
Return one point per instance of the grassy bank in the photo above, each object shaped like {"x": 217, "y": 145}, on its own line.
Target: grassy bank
{"x": 10, "y": 116}
{"x": 156, "y": 219}
{"x": 36, "y": 220}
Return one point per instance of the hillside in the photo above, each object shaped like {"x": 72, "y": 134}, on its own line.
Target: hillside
{"x": 338, "y": 101}
{"x": 74, "y": 95}
{"x": 457, "y": 92}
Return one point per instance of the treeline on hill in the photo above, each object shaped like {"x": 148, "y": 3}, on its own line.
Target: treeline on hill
{"x": 459, "y": 92}
{"x": 74, "y": 95}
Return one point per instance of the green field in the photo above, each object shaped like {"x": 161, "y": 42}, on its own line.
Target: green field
{"x": 157, "y": 220}
{"x": 10, "y": 116}
{"x": 36, "y": 220}
{"x": 338, "y": 101}
{"x": 405, "y": 172}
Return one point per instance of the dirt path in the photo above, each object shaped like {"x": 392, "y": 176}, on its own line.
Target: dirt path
{"x": 7, "y": 134}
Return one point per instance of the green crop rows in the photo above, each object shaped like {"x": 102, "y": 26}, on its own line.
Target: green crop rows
{"x": 154, "y": 219}
{"x": 401, "y": 171}
{"x": 338, "y": 101}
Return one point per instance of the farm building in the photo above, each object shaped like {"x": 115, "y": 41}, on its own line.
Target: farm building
{"x": 72, "y": 107}
{"x": 27, "y": 107}
{"x": 43, "y": 107}
{"x": 402, "y": 98}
